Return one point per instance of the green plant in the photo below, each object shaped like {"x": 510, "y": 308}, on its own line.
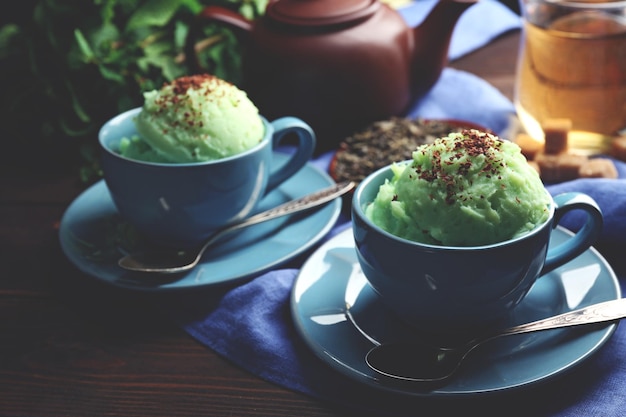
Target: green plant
{"x": 66, "y": 66}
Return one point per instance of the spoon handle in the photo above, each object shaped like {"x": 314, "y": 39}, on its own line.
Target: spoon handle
{"x": 300, "y": 204}
{"x": 596, "y": 313}
{"x": 180, "y": 261}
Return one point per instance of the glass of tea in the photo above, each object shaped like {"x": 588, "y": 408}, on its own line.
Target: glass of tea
{"x": 572, "y": 66}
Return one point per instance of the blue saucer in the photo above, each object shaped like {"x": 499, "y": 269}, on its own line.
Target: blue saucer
{"x": 94, "y": 237}
{"x": 341, "y": 318}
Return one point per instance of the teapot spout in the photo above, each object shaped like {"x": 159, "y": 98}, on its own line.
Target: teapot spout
{"x": 432, "y": 42}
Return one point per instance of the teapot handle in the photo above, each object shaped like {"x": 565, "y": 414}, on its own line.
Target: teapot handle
{"x": 216, "y": 14}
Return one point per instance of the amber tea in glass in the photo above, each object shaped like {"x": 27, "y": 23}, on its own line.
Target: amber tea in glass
{"x": 572, "y": 65}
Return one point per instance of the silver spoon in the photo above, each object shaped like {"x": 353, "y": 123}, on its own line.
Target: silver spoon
{"x": 170, "y": 262}
{"x": 416, "y": 362}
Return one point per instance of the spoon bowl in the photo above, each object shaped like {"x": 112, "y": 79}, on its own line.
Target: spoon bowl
{"x": 176, "y": 261}
{"x": 422, "y": 363}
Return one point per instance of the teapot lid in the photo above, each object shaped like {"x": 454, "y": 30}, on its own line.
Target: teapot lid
{"x": 320, "y": 12}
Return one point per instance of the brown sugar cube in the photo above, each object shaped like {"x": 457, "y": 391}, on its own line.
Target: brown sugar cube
{"x": 618, "y": 148}
{"x": 555, "y": 132}
{"x": 559, "y": 168}
{"x": 530, "y": 146}
{"x": 598, "y": 168}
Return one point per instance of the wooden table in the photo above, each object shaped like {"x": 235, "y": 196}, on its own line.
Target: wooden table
{"x": 70, "y": 346}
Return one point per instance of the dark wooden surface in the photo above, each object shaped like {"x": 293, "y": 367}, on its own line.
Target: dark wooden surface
{"x": 72, "y": 347}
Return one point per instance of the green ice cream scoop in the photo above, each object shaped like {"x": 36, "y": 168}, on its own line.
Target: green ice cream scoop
{"x": 194, "y": 119}
{"x": 466, "y": 189}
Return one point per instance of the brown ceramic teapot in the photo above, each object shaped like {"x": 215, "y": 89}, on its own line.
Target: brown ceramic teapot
{"x": 339, "y": 65}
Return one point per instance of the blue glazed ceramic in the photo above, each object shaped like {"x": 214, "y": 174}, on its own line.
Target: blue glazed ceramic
{"x": 182, "y": 204}
{"x": 458, "y": 290}
{"x": 340, "y": 318}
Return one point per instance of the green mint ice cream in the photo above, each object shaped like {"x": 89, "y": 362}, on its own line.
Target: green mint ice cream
{"x": 194, "y": 119}
{"x": 467, "y": 189}
{"x": 136, "y": 148}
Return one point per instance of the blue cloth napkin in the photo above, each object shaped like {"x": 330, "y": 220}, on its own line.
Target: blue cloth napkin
{"x": 442, "y": 101}
{"x": 251, "y": 324}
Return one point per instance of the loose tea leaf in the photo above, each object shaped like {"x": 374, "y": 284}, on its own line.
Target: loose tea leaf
{"x": 387, "y": 141}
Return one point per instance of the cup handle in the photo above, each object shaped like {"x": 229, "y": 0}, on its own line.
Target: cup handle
{"x": 302, "y": 154}
{"x": 583, "y": 239}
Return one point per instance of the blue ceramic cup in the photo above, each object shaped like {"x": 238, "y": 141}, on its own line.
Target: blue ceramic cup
{"x": 448, "y": 291}
{"x": 180, "y": 205}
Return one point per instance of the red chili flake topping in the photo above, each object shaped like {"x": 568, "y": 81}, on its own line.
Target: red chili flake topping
{"x": 194, "y": 82}
{"x": 473, "y": 144}
{"x": 178, "y": 95}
